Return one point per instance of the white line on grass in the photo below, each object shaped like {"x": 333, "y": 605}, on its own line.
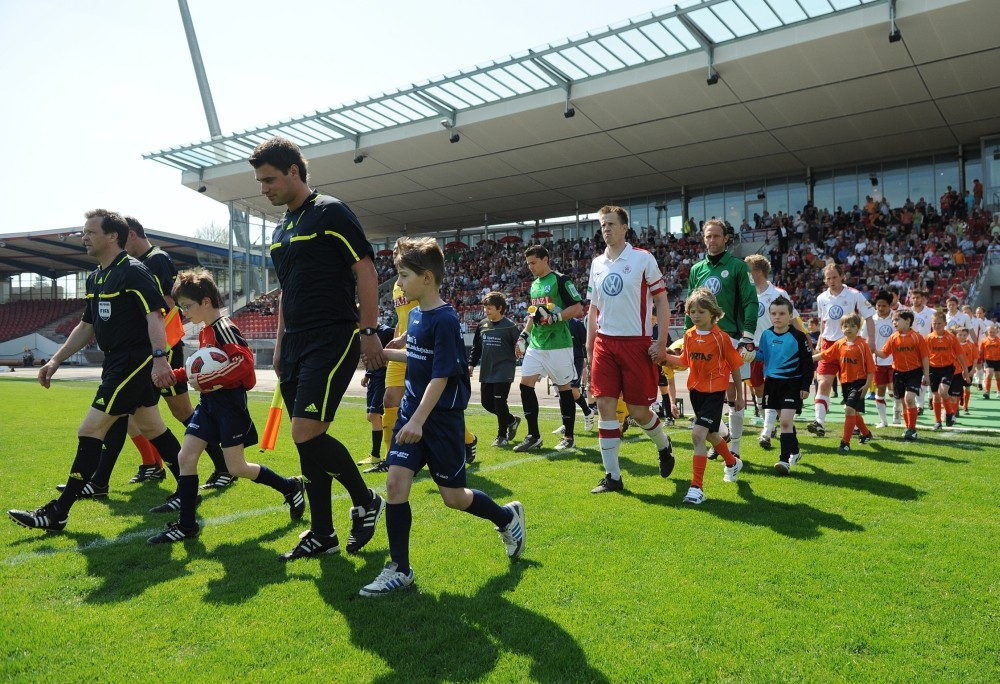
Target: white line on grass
{"x": 22, "y": 558}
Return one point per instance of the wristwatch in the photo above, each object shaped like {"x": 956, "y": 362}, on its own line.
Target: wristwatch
{"x": 368, "y": 331}
{"x": 159, "y": 353}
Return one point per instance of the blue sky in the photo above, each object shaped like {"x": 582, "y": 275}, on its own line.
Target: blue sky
{"x": 88, "y": 87}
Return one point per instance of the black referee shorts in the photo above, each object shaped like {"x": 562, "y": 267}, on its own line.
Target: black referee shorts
{"x": 317, "y": 367}
{"x": 126, "y": 383}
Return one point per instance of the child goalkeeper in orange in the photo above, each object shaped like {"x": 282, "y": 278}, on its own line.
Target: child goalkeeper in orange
{"x": 713, "y": 361}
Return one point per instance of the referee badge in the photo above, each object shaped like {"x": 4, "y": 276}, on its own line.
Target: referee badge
{"x": 104, "y": 309}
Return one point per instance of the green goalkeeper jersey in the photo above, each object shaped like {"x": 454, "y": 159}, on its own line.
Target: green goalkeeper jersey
{"x": 728, "y": 279}
{"x": 556, "y": 292}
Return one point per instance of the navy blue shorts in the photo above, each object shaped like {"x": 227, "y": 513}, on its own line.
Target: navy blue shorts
{"x": 442, "y": 448}
{"x": 317, "y": 366}
{"x": 578, "y": 364}
{"x": 126, "y": 383}
{"x": 222, "y": 418}
{"x": 707, "y": 408}
{"x": 375, "y": 397}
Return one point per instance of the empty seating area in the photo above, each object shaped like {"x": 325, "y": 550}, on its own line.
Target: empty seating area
{"x": 21, "y": 318}
{"x": 255, "y": 325}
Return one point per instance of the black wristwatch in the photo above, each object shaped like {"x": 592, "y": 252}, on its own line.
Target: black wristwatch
{"x": 159, "y": 353}
{"x": 368, "y": 331}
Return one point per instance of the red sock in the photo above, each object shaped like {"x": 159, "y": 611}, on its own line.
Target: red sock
{"x": 698, "y": 463}
{"x": 989, "y": 382}
{"x": 147, "y": 451}
{"x": 911, "y": 417}
{"x": 849, "y": 422}
{"x": 724, "y": 451}
{"x": 968, "y": 395}
{"x": 936, "y": 403}
{"x": 860, "y": 422}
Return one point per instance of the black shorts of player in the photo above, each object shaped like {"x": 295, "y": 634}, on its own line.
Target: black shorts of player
{"x": 222, "y": 417}
{"x": 906, "y": 381}
{"x": 575, "y": 382}
{"x": 941, "y": 374}
{"x": 176, "y": 358}
{"x": 317, "y": 367}
{"x": 707, "y": 408}
{"x": 957, "y": 386}
{"x": 854, "y": 394}
{"x": 375, "y": 396}
{"x": 782, "y": 393}
{"x": 993, "y": 365}
{"x": 126, "y": 383}
{"x": 441, "y": 449}
{"x": 661, "y": 377}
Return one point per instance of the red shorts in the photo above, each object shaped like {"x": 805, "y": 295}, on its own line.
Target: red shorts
{"x": 622, "y": 366}
{"x": 757, "y": 374}
{"x": 827, "y": 367}
{"x": 883, "y": 375}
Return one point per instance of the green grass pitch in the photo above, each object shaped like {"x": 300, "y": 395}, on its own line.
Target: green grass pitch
{"x": 877, "y": 566}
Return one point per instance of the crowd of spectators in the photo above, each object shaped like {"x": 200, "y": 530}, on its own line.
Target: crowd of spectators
{"x": 915, "y": 243}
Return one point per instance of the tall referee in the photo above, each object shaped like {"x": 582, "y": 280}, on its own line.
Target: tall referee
{"x": 323, "y": 260}
{"x": 123, "y": 311}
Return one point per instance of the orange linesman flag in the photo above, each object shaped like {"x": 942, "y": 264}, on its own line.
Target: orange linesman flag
{"x": 273, "y": 422}
{"x": 174, "y": 326}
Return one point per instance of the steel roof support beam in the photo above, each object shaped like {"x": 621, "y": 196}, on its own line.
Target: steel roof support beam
{"x": 706, "y": 44}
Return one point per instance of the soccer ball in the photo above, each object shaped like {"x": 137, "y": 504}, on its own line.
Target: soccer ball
{"x": 206, "y": 360}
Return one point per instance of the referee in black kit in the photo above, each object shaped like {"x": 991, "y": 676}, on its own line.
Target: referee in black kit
{"x": 123, "y": 310}
{"x": 322, "y": 259}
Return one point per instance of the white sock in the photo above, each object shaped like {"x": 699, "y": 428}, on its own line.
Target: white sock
{"x": 880, "y": 405}
{"x": 654, "y": 429}
{"x": 897, "y": 410}
{"x": 609, "y": 447}
{"x": 770, "y": 418}
{"x": 920, "y": 397}
{"x": 735, "y": 429}
{"x": 821, "y": 407}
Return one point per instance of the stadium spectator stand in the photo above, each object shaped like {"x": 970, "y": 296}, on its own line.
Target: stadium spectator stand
{"x": 24, "y": 317}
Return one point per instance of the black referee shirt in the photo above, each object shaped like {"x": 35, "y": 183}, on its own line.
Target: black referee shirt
{"x": 118, "y": 300}
{"x": 162, "y": 267}
{"x": 313, "y": 250}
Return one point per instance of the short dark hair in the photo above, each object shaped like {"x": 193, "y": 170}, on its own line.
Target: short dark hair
{"x": 782, "y": 301}
{"x": 884, "y": 296}
{"x": 111, "y": 222}
{"x": 282, "y": 154}
{"x": 905, "y": 313}
{"x": 196, "y": 284}
{"x": 420, "y": 255}
{"x": 496, "y": 299}
{"x": 538, "y": 251}
{"x": 135, "y": 226}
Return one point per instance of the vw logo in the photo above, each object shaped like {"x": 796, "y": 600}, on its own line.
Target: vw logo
{"x": 713, "y": 284}
{"x": 612, "y": 285}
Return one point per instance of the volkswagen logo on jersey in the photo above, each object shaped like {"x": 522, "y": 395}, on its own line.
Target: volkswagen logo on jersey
{"x": 836, "y": 312}
{"x": 885, "y": 330}
{"x": 713, "y": 285}
{"x": 760, "y": 309}
{"x": 612, "y": 285}
{"x": 104, "y": 310}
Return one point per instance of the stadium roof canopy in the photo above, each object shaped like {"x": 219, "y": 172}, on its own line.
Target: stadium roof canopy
{"x": 59, "y": 252}
{"x": 713, "y": 92}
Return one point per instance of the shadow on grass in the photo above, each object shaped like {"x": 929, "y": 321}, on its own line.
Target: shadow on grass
{"x": 232, "y": 588}
{"x": 891, "y": 490}
{"x": 426, "y": 638}
{"x": 798, "y": 521}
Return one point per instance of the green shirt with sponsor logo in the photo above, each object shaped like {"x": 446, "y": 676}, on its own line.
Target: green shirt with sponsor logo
{"x": 560, "y": 293}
